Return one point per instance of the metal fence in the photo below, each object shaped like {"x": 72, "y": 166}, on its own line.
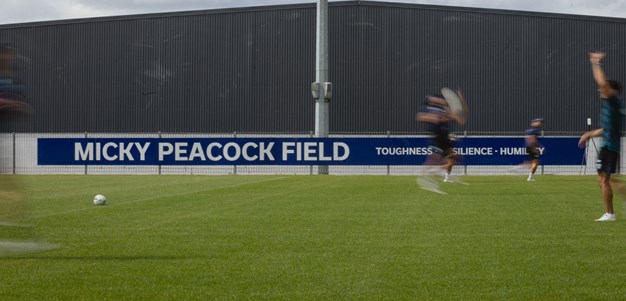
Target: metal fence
{"x": 19, "y": 156}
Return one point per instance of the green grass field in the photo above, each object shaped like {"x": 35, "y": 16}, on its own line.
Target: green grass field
{"x": 318, "y": 238}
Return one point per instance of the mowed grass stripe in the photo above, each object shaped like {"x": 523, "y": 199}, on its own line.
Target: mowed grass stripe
{"x": 321, "y": 238}
{"x": 149, "y": 192}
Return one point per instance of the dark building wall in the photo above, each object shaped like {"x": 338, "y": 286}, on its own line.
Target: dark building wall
{"x": 249, "y": 70}
{"x": 512, "y": 66}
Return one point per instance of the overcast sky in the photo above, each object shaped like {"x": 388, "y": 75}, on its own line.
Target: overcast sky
{"x": 19, "y": 11}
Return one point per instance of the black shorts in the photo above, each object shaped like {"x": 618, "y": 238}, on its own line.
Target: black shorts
{"x": 533, "y": 153}
{"x": 607, "y": 161}
{"x": 443, "y": 150}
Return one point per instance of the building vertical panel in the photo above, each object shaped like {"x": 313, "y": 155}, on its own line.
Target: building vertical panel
{"x": 249, "y": 70}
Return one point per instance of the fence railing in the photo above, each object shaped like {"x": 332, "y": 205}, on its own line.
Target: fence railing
{"x": 19, "y": 156}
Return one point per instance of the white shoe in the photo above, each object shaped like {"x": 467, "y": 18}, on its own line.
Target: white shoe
{"x": 458, "y": 180}
{"x": 455, "y": 179}
{"x": 530, "y": 180}
{"x": 607, "y": 217}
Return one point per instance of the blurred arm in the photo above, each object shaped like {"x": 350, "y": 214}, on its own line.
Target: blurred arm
{"x": 598, "y": 73}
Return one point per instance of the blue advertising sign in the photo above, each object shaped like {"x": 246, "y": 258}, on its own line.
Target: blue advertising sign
{"x": 510, "y": 151}
{"x": 292, "y": 151}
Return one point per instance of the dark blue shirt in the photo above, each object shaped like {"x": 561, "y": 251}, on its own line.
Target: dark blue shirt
{"x": 611, "y": 118}
{"x": 534, "y": 131}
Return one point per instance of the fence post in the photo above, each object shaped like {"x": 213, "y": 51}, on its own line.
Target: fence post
{"x": 388, "y": 136}
{"x": 540, "y": 161}
{"x": 464, "y": 165}
{"x": 310, "y": 166}
{"x": 85, "y": 172}
{"x": 159, "y": 168}
{"x": 14, "y": 153}
{"x": 235, "y": 166}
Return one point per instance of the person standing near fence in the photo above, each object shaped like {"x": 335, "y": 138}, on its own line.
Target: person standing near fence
{"x": 611, "y": 120}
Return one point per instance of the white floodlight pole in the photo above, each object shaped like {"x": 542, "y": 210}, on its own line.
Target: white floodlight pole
{"x": 322, "y": 88}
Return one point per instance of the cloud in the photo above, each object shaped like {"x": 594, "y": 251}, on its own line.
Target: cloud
{"x": 14, "y": 11}
{"x": 103, "y": 7}
{"x": 18, "y": 11}
{"x": 610, "y": 8}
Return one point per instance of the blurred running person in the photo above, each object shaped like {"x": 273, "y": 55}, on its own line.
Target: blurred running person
{"x": 611, "y": 118}
{"x": 533, "y": 147}
{"x": 442, "y": 156}
{"x": 17, "y": 235}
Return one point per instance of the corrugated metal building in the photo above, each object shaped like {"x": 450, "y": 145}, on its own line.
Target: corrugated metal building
{"x": 250, "y": 69}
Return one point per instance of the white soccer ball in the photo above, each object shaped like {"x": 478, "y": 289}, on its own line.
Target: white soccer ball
{"x": 99, "y": 200}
